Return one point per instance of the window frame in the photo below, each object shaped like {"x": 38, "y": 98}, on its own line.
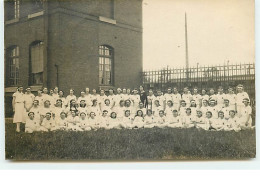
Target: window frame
{"x": 38, "y": 6}
{"x": 102, "y": 64}
{"x": 11, "y": 64}
{"x": 15, "y": 8}
{"x": 32, "y": 75}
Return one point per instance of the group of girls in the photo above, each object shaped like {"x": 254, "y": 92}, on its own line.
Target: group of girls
{"x": 132, "y": 110}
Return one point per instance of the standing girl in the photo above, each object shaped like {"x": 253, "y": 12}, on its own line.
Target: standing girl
{"x": 70, "y": 97}
{"x": 39, "y": 97}
{"x": 18, "y": 108}
{"x": 28, "y": 99}
{"x": 62, "y": 98}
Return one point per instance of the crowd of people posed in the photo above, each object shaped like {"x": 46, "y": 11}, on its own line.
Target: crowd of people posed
{"x": 132, "y": 109}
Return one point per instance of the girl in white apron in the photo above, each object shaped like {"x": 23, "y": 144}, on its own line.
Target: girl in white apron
{"x": 36, "y": 110}
{"x": 114, "y": 122}
{"x": 104, "y": 120}
{"x": 84, "y": 122}
{"x": 32, "y": 124}
{"x": 149, "y": 120}
{"x": 138, "y": 120}
{"x": 174, "y": 121}
{"x": 63, "y": 123}
{"x": 161, "y": 119}
{"x": 201, "y": 122}
{"x": 18, "y": 108}
{"x": 95, "y": 108}
{"x": 127, "y": 120}
{"x": 28, "y": 99}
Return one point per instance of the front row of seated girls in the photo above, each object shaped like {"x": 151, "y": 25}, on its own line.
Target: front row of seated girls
{"x": 112, "y": 121}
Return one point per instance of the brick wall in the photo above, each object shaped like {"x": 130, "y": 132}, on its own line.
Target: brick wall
{"x": 72, "y": 33}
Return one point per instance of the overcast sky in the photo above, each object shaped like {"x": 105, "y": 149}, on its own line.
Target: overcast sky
{"x": 218, "y": 31}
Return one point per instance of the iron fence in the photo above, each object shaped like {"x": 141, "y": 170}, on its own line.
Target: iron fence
{"x": 202, "y": 77}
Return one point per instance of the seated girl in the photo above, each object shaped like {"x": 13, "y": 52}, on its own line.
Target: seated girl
{"x": 209, "y": 120}
{"x": 205, "y": 107}
{"x": 84, "y": 122}
{"x": 219, "y": 123}
{"x": 188, "y": 120}
{"x": 246, "y": 115}
{"x": 183, "y": 108}
{"x": 138, "y": 120}
{"x": 149, "y": 120}
{"x": 36, "y": 109}
{"x": 48, "y": 124}
{"x": 161, "y": 121}
{"x": 73, "y": 122}
{"x": 129, "y": 107}
{"x": 62, "y": 121}
{"x": 46, "y": 109}
{"x": 169, "y": 109}
{"x": 104, "y": 119}
{"x": 193, "y": 107}
{"x": 57, "y": 110}
{"x": 114, "y": 122}
{"x": 201, "y": 122}
{"x": 72, "y": 107}
{"x": 31, "y": 124}
{"x": 107, "y": 106}
{"x": 141, "y": 107}
{"x": 127, "y": 121}
{"x": 157, "y": 108}
{"x": 234, "y": 121}
{"x": 120, "y": 110}
{"x": 95, "y": 108}
{"x": 174, "y": 121}
{"x": 82, "y": 107}
{"x": 93, "y": 121}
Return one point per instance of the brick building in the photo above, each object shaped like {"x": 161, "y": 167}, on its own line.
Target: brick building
{"x": 72, "y": 44}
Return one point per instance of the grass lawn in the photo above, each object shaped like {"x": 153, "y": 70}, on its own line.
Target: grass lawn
{"x": 139, "y": 144}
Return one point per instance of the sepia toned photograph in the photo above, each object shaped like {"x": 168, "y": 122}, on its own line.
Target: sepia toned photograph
{"x": 129, "y": 80}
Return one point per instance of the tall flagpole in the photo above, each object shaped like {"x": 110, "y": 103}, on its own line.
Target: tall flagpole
{"x": 186, "y": 48}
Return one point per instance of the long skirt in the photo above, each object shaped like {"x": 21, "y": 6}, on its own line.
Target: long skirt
{"x": 19, "y": 114}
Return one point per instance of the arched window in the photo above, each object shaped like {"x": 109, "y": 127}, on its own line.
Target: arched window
{"x": 12, "y": 66}
{"x": 105, "y": 65}
{"x": 36, "y": 63}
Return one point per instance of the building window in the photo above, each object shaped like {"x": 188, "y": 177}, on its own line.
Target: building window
{"x": 12, "y": 9}
{"x": 37, "y": 5}
{"x": 105, "y": 65}
{"x": 12, "y": 66}
{"x": 36, "y": 63}
{"x": 107, "y": 8}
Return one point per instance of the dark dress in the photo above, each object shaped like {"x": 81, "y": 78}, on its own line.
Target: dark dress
{"x": 143, "y": 98}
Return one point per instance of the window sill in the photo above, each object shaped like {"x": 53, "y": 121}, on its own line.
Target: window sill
{"x": 106, "y": 87}
{"x": 35, "y": 14}
{"x": 11, "y": 21}
{"x": 35, "y": 87}
{"x": 107, "y": 20}
{"x": 11, "y": 89}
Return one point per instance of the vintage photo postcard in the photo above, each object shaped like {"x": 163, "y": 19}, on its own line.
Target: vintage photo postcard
{"x": 123, "y": 80}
